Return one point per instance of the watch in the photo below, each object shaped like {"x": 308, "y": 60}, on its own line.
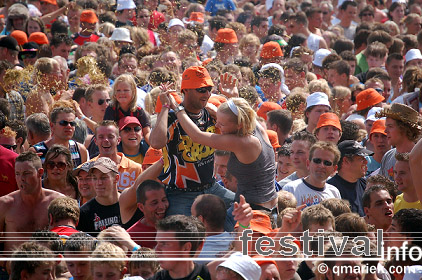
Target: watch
{"x": 178, "y": 109}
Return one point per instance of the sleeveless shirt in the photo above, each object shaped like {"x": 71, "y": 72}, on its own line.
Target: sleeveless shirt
{"x": 255, "y": 181}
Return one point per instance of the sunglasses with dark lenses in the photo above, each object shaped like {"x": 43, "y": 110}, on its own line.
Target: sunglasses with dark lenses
{"x": 325, "y": 162}
{"x": 101, "y": 101}
{"x": 10, "y": 147}
{"x": 204, "y": 89}
{"x": 66, "y": 123}
{"x": 129, "y": 129}
{"x": 28, "y": 55}
{"x": 60, "y": 165}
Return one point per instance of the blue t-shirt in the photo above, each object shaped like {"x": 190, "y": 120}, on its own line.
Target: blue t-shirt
{"x": 213, "y": 6}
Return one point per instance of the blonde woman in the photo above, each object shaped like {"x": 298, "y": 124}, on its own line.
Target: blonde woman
{"x": 252, "y": 159}
{"x": 341, "y": 100}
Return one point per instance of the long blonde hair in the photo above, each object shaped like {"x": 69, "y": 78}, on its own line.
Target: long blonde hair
{"x": 241, "y": 113}
{"x": 125, "y": 78}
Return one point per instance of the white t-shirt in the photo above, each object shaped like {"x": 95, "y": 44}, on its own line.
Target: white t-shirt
{"x": 310, "y": 195}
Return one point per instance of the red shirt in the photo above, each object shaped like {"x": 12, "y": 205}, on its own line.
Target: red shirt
{"x": 143, "y": 235}
{"x": 7, "y": 171}
{"x": 80, "y": 40}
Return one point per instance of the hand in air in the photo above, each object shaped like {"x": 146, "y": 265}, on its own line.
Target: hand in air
{"x": 242, "y": 211}
{"x": 165, "y": 95}
{"x": 228, "y": 85}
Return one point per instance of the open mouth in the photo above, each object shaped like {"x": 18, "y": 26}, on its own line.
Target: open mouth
{"x": 389, "y": 213}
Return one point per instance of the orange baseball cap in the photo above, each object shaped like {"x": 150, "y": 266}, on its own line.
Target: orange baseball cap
{"x": 89, "y": 16}
{"x": 39, "y": 38}
{"x": 272, "y": 135}
{"x": 215, "y": 101}
{"x": 271, "y": 49}
{"x": 159, "y": 105}
{"x": 260, "y": 222}
{"x": 266, "y": 107}
{"x": 378, "y": 127}
{"x": 226, "y": 35}
{"x": 197, "y": 17}
{"x": 367, "y": 98}
{"x": 196, "y": 77}
{"x": 327, "y": 119}
{"x": 152, "y": 156}
{"x": 20, "y": 36}
{"x": 52, "y": 2}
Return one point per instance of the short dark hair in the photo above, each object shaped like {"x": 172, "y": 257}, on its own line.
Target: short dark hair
{"x": 186, "y": 229}
{"x": 282, "y": 119}
{"x": 284, "y": 151}
{"x": 296, "y": 65}
{"x": 384, "y": 181}
{"x": 366, "y": 198}
{"x": 59, "y": 39}
{"x": 59, "y": 110}
{"x": 394, "y": 56}
{"x": 350, "y": 131}
{"x": 29, "y": 250}
{"x": 217, "y": 22}
{"x": 30, "y": 156}
{"x": 305, "y": 136}
{"x": 257, "y": 20}
{"x": 145, "y": 186}
{"x": 212, "y": 209}
{"x": 361, "y": 38}
{"x": 348, "y": 56}
{"x": 410, "y": 221}
{"x": 39, "y": 123}
{"x": 79, "y": 242}
{"x": 341, "y": 67}
{"x": 49, "y": 239}
{"x": 343, "y": 44}
{"x": 379, "y": 36}
{"x": 346, "y": 4}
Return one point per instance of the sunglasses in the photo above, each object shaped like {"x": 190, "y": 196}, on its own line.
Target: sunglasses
{"x": 367, "y": 15}
{"x": 101, "y": 101}
{"x": 10, "y": 147}
{"x": 28, "y": 56}
{"x": 66, "y": 123}
{"x": 204, "y": 89}
{"x": 60, "y": 165}
{"x": 325, "y": 162}
{"x": 129, "y": 129}
{"x": 380, "y": 91}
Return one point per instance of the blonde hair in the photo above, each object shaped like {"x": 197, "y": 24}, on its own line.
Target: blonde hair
{"x": 107, "y": 29}
{"x": 339, "y": 93}
{"x": 125, "y": 78}
{"x": 151, "y": 100}
{"x": 106, "y": 251}
{"x": 246, "y": 117}
{"x": 249, "y": 39}
{"x": 319, "y": 86}
{"x": 8, "y": 133}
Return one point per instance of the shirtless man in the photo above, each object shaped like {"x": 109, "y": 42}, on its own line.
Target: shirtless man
{"x": 24, "y": 211}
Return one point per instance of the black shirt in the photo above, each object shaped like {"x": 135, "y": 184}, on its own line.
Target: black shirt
{"x": 304, "y": 271}
{"x": 353, "y": 192}
{"x": 200, "y": 272}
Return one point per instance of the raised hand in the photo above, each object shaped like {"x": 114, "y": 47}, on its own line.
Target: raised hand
{"x": 242, "y": 211}
{"x": 165, "y": 96}
{"x": 291, "y": 219}
{"x": 228, "y": 85}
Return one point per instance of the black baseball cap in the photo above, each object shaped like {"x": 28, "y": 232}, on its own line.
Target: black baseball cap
{"x": 351, "y": 148}
{"x": 9, "y": 43}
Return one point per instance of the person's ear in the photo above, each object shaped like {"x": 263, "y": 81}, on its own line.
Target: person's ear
{"x": 308, "y": 164}
{"x": 40, "y": 172}
{"x": 187, "y": 247}
{"x": 366, "y": 211}
{"x": 123, "y": 272}
{"x": 50, "y": 219}
{"x": 140, "y": 206}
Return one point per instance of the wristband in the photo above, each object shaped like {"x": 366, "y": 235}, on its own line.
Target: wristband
{"x": 244, "y": 226}
{"x": 166, "y": 106}
{"x": 136, "y": 248}
{"x": 83, "y": 117}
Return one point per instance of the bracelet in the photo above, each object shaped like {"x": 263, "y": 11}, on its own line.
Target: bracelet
{"x": 166, "y": 106}
{"x": 244, "y": 226}
{"x": 83, "y": 117}
{"x": 136, "y": 248}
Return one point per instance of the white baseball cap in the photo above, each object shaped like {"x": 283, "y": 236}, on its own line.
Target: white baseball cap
{"x": 125, "y": 5}
{"x": 121, "y": 34}
{"x": 243, "y": 265}
{"x": 283, "y": 86}
{"x": 175, "y": 22}
{"x": 319, "y": 56}
{"x": 372, "y": 112}
{"x": 317, "y": 98}
{"x": 413, "y": 54}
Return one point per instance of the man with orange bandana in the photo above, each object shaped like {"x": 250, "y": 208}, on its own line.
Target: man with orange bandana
{"x": 188, "y": 166}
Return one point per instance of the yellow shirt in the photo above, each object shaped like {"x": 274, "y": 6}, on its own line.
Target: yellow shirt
{"x": 400, "y": 203}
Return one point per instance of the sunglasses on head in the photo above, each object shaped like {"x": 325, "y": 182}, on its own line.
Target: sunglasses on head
{"x": 204, "y": 89}
{"x": 66, "y": 123}
{"x": 101, "y": 101}
{"x": 129, "y": 129}
{"x": 325, "y": 162}
{"x": 10, "y": 147}
{"x": 60, "y": 165}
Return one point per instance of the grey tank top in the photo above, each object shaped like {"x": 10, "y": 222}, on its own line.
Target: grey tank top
{"x": 255, "y": 181}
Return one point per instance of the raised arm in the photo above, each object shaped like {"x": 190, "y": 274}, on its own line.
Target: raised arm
{"x": 127, "y": 199}
{"x": 158, "y": 136}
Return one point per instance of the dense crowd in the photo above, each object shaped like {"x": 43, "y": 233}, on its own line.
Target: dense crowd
{"x": 219, "y": 139}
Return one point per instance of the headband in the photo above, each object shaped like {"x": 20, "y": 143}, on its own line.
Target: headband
{"x": 233, "y": 107}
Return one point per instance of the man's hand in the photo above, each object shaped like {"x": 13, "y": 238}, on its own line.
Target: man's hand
{"x": 242, "y": 212}
{"x": 165, "y": 95}
{"x": 291, "y": 219}
{"x": 122, "y": 236}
